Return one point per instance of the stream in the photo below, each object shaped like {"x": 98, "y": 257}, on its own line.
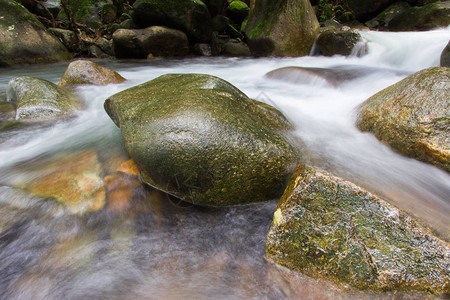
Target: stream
{"x": 159, "y": 250}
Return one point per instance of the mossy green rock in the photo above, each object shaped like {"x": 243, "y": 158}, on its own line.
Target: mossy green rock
{"x": 238, "y": 10}
{"x": 326, "y": 227}
{"x": 413, "y": 116}
{"x": 40, "y": 100}
{"x": 24, "y": 40}
{"x": 199, "y": 138}
{"x": 337, "y": 42}
{"x": 422, "y": 18}
{"x": 191, "y": 17}
{"x": 281, "y": 27}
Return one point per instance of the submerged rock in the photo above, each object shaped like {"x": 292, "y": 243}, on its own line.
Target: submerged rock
{"x": 326, "y": 227}
{"x": 337, "y": 42}
{"x": 200, "y": 139}
{"x": 281, "y": 28}
{"x": 413, "y": 116}
{"x": 88, "y": 72}
{"x": 334, "y": 76}
{"x": 24, "y": 40}
{"x": 39, "y": 100}
{"x": 73, "y": 180}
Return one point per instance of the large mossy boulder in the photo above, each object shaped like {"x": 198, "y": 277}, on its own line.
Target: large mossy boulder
{"x": 326, "y": 227}
{"x": 413, "y": 116}
{"x": 337, "y": 42}
{"x": 191, "y": 17}
{"x": 422, "y": 18}
{"x": 364, "y": 10}
{"x": 200, "y": 139}
{"x": 281, "y": 28}
{"x": 24, "y": 40}
{"x": 40, "y": 100}
{"x": 88, "y": 72}
{"x": 155, "y": 40}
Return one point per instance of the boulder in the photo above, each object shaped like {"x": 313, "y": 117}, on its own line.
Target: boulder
{"x": 201, "y": 49}
{"x": 326, "y": 227}
{"x": 67, "y": 37}
{"x": 364, "y": 10}
{"x": 202, "y": 140}
{"x": 281, "y": 27}
{"x": 191, "y": 17}
{"x": 337, "y": 42}
{"x": 24, "y": 40}
{"x": 381, "y": 21}
{"x": 235, "y": 49}
{"x": 412, "y": 116}
{"x": 73, "y": 180}
{"x": 88, "y": 72}
{"x": 422, "y": 18}
{"x": 40, "y": 100}
{"x": 445, "y": 56}
{"x": 155, "y": 40}
{"x": 238, "y": 11}
{"x": 105, "y": 45}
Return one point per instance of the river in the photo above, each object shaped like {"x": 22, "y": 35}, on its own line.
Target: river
{"x": 158, "y": 250}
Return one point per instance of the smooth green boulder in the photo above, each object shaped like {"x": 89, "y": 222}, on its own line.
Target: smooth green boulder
{"x": 445, "y": 56}
{"x": 191, "y": 17}
{"x": 40, "y": 100}
{"x": 364, "y": 10}
{"x": 199, "y": 138}
{"x": 88, "y": 72}
{"x": 422, "y": 18}
{"x": 24, "y": 40}
{"x": 337, "y": 42}
{"x": 412, "y": 116}
{"x": 329, "y": 228}
{"x": 281, "y": 27}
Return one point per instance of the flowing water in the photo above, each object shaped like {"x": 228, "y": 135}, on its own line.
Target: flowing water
{"x": 157, "y": 250}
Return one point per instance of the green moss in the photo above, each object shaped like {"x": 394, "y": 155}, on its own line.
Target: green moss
{"x": 329, "y": 228}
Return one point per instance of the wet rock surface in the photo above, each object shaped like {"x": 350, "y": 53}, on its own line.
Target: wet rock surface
{"x": 412, "y": 116}
{"x": 40, "y": 100}
{"x": 88, "y": 72}
{"x": 275, "y": 28}
{"x": 326, "y": 227}
{"x": 199, "y": 138}
{"x": 39, "y": 46}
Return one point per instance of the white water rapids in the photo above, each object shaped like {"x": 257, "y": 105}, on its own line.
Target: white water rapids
{"x": 182, "y": 258}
